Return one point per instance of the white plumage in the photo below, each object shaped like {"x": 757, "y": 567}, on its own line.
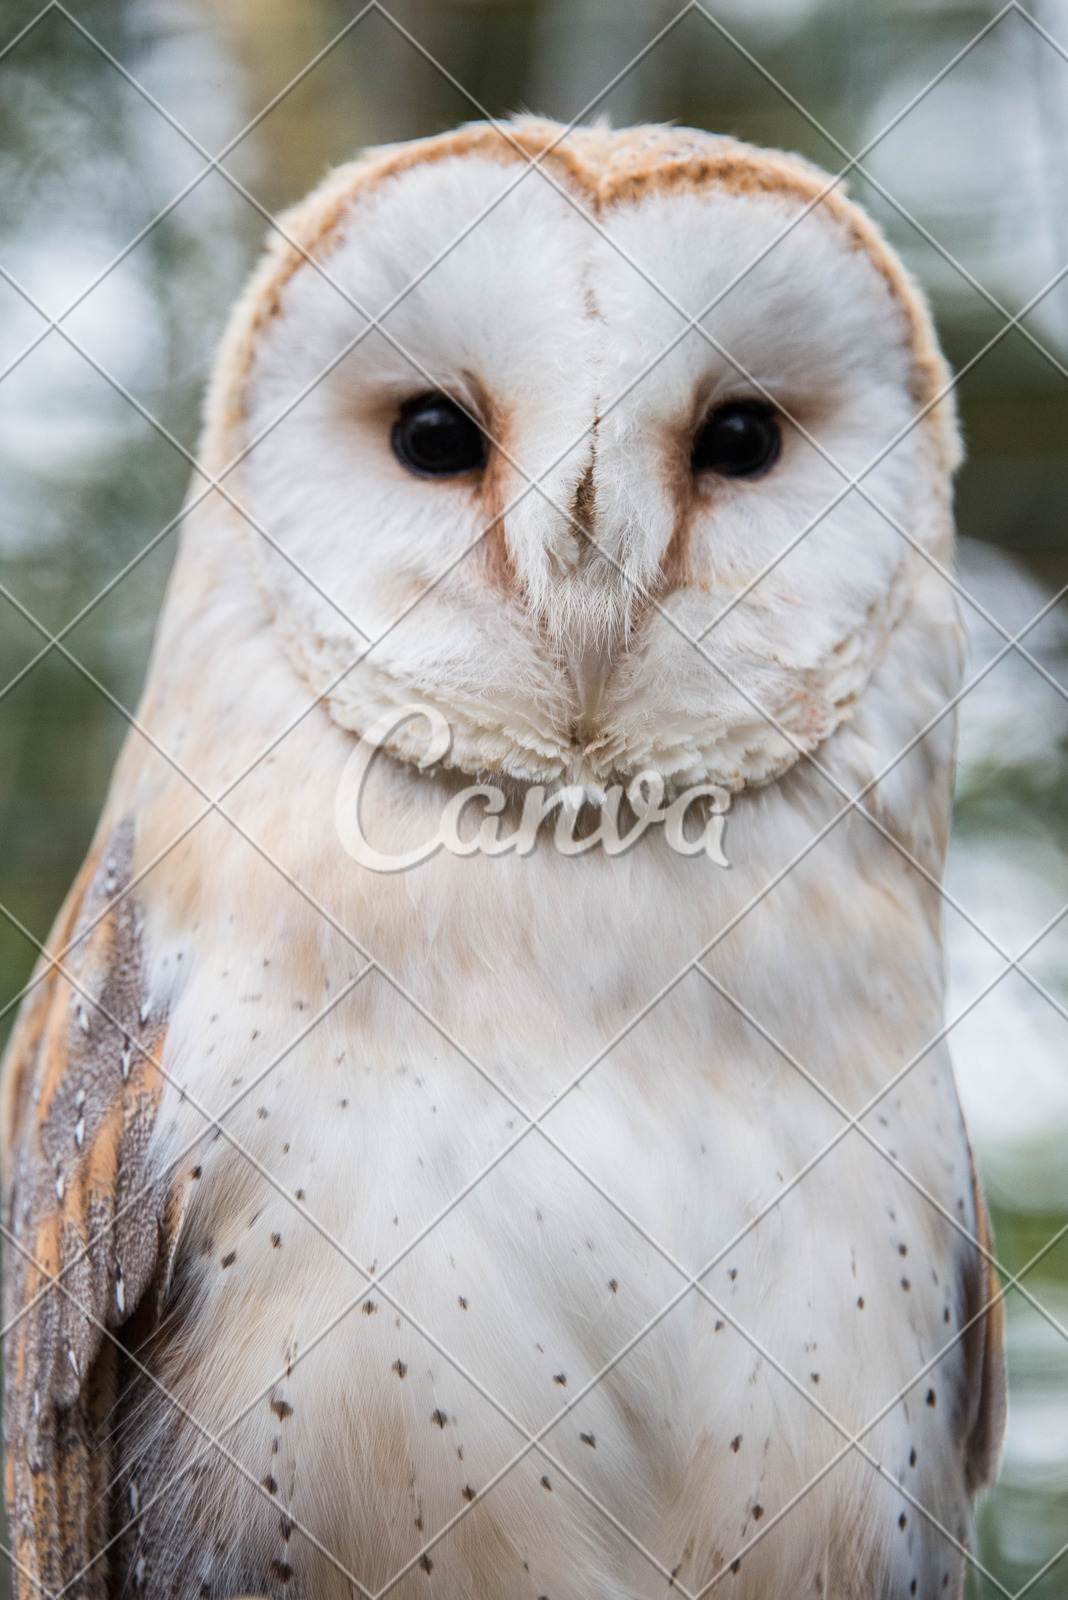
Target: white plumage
{"x": 689, "y": 1039}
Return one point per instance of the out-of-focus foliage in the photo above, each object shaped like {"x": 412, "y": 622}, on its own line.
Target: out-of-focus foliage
{"x": 973, "y": 176}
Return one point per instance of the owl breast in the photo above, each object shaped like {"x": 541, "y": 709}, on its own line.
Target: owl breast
{"x": 527, "y": 1268}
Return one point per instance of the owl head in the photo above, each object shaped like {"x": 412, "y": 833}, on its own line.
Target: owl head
{"x": 619, "y": 449}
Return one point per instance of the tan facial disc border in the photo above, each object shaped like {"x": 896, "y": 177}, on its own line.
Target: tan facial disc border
{"x": 602, "y": 168}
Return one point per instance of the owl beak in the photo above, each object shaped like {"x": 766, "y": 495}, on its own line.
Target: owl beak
{"x": 589, "y": 667}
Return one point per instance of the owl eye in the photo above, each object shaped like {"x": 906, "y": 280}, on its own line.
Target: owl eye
{"x": 435, "y": 438}
{"x": 739, "y": 440}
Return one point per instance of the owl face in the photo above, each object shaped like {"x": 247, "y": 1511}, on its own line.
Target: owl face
{"x": 566, "y": 453}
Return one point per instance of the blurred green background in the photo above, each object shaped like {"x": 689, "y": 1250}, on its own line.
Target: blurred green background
{"x": 980, "y": 164}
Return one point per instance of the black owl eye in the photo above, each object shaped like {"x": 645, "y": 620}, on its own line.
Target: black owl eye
{"x": 435, "y": 438}
{"x": 739, "y": 440}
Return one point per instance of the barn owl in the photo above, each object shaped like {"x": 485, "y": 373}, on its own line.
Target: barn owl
{"x": 547, "y": 1223}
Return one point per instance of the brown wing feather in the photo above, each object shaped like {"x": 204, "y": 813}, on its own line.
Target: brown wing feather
{"x": 81, "y": 1088}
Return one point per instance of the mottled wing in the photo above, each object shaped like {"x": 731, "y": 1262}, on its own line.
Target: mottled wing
{"x": 86, "y": 1224}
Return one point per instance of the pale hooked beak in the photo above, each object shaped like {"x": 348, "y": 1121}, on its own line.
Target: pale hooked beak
{"x": 589, "y": 668}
